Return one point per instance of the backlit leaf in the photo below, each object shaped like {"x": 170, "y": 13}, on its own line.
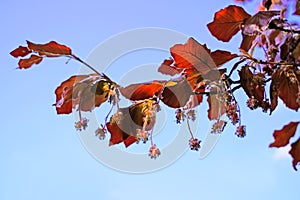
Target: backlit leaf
{"x": 247, "y": 42}
{"x": 123, "y": 125}
{"x": 193, "y": 56}
{"x": 174, "y": 93}
{"x": 84, "y": 91}
{"x": 253, "y": 84}
{"x": 28, "y": 62}
{"x": 216, "y": 106}
{"x": 168, "y": 68}
{"x": 288, "y": 88}
{"x": 297, "y": 8}
{"x": 51, "y": 49}
{"x": 140, "y": 91}
{"x": 282, "y": 137}
{"x": 227, "y": 22}
{"x": 257, "y": 23}
{"x": 295, "y": 153}
{"x": 20, "y": 52}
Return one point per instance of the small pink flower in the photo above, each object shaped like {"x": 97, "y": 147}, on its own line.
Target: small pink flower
{"x": 194, "y": 144}
{"x": 154, "y": 152}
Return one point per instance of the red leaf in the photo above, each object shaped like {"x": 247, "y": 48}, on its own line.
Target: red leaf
{"x": 295, "y": 153}
{"x": 247, "y": 42}
{"x": 20, "y": 51}
{"x": 168, "y": 68}
{"x": 227, "y": 22}
{"x": 177, "y": 94}
{"x": 193, "y": 56}
{"x": 297, "y": 8}
{"x": 216, "y": 107}
{"x": 253, "y": 84}
{"x": 140, "y": 91}
{"x": 282, "y": 137}
{"x": 124, "y": 125}
{"x": 274, "y": 90}
{"x": 288, "y": 86}
{"x": 84, "y": 91}
{"x": 258, "y": 22}
{"x": 118, "y": 136}
{"x": 51, "y": 49}
{"x": 28, "y": 62}
{"x": 220, "y": 57}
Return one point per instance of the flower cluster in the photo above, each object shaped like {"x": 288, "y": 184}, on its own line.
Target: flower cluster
{"x": 101, "y": 132}
{"x": 154, "y": 152}
{"x": 142, "y": 135}
{"x": 194, "y": 144}
{"x": 81, "y": 124}
{"x": 218, "y": 126}
{"x": 232, "y": 113}
{"x": 241, "y": 131}
{"x": 252, "y": 103}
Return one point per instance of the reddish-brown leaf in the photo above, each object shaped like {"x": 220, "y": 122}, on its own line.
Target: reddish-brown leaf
{"x": 168, "y": 68}
{"x": 175, "y": 93}
{"x": 283, "y": 136}
{"x": 20, "y": 51}
{"x": 51, "y": 49}
{"x": 295, "y": 153}
{"x": 123, "y": 126}
{"x": 274, "y": 90}
{"x": 227, "y": 22}
{"x": 297, "y": 8}
{"x": 216, "y": 107}
{"x": 84, "y": 91}
{"x": 253, "y": 84}
{"x": 118, "y": 136}
{"x": 257, "y": 23}
{"x": 288, "y": 87}
{"x": 220, "y": 57}
{"x": 296, "y": 52}
{"x": 193, "y": 56}
{"x": 140, "y": 91}
{"x": 247, "y": 42}
{"x": 28, "y": 62}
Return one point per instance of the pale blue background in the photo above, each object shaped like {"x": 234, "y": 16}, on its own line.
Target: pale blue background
{"x": 41, "y": 154}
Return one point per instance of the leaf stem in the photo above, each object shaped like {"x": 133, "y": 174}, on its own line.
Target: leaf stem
{"x": 90, "y": 67}
{"x": 189, "y": 127}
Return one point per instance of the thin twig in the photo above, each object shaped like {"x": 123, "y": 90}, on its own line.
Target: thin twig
{"x": 189, "y": 127}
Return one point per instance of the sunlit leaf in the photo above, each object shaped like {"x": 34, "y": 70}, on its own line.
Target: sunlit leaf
{"x": 123, "y": 125}
{"x": 28, "y": 62}
{"x": 257, "y": 23}
{"x": 216, "y": 106}
{"x": 297, "y": 8}
{"x": 168, "y": 68}
{"x": 295, "y": 153}
{"x": 84, "y": 91}
{"x": 20, "y": 52}
{"x": 286, "y": 82}
{"x": 227, "y": 22}
{"x": 51, "y": 49}
{"x": 282, "y": 137}
{"x": 253, "y": 84}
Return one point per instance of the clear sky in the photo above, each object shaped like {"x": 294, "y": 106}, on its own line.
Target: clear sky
{"x": 41, "y": 154}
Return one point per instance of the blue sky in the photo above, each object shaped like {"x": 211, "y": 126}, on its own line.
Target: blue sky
{"x": 41, "y": 153}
